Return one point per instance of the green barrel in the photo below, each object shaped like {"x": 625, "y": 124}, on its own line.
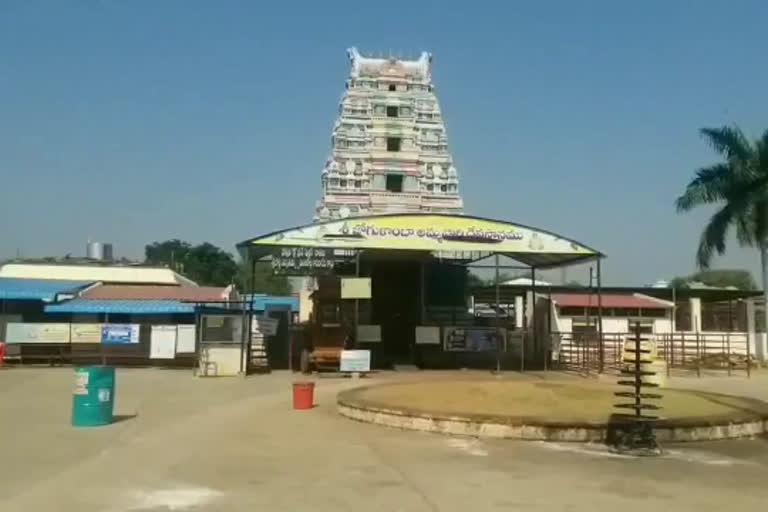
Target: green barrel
{"x": 93, "y": 401}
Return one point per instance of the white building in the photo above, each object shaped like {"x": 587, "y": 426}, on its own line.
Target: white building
{"x": 389, "y": 146}
{"x": 123, "y": 274}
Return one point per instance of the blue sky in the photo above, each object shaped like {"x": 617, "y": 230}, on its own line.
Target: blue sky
{"x": 135, "y": 121}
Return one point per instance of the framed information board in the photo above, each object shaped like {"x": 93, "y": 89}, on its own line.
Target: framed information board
{"x": 355, "y": 361}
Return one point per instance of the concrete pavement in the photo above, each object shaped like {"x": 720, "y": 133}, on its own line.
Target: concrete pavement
{"x": 235, "y": 444}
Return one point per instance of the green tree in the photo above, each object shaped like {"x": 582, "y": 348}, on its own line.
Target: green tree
{"x": 205, "y": 264}
{"x": 738, "y": 186}
{"x": 170, "y": 253}
{"x": 209, "y": 265}
{"x": 740, "y": 279}
{"x": 262, "y": 280}
{"x": 679, "y": 282}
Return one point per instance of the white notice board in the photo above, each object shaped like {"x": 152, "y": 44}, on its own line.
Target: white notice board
{"x": 355, "y": 361}
{"x": 427, "y": 335}
{"x": 163, "y": 342}
{"x": 185, "y": 339}
{"x": 356, "y": 288}
{"x": 265, "y": 325}
{"x": 36, "y": 333}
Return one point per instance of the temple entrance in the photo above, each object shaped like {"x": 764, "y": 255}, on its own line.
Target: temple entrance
{"x": 395, "y": 301}
{"x": 396, "y": 286}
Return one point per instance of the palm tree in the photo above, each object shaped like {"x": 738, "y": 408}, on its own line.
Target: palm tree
{"x": 739, "y": 187}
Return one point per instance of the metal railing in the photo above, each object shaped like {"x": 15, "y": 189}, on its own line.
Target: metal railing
{"x": 586, "y": 352}
{"x": 697, "y": 351}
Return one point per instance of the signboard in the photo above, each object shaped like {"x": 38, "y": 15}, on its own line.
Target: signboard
{"x": 120, "y": 334}
{"x": 355, "y": 361}
{"x": 356, "y": 288}
{"x": 427, "y": 335}
{"x": 36, "y": 333}
{"x": 368, "y": 333}
{"x": 302, "y": 261}
{"x": 163, "y": 342}
{"x": 472, "y": 339}
{"x": 185, "y": 339}
{"x": 85, "y": 333}
{"x": 415, "y": 232}
{"x": 81, "y": 383}
{"x": 265, "y": 325}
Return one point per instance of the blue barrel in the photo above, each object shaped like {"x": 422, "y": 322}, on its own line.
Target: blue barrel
{"x": 93, "y": 402}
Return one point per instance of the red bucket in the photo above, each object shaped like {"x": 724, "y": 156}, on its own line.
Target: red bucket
{"x": 2, "y": 354}
{"x": 303, "y": 395}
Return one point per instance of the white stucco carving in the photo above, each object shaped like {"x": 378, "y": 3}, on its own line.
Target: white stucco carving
{"x": 389, "y": 143}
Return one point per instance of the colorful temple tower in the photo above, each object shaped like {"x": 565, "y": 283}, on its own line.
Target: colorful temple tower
{"x": 389, "y": 146}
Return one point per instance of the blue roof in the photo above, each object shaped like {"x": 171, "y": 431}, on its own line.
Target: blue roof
{"x": 125, "y": 307}
{"x": 16, "y": 288}
{"x": 261, "y": 301}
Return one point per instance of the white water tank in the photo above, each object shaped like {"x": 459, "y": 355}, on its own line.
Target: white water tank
{"x": 99, "y": 251}
{"x": 94, "y": 251}
{"x": 107, "y": 252}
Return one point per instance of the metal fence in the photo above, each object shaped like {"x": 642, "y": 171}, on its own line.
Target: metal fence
{"x": 586, "y": 352}
{"x": 693, "y": 351}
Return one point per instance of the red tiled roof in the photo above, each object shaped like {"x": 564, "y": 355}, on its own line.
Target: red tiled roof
{"x": 580, "y": 300}
{"x": 137, "y": 292}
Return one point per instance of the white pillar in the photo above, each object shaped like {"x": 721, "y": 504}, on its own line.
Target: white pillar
{"x": 756, "y": 340}
{"x": 695, "y": 303}
{"x": 529, "y": 310}
{"x": 519, "y": 311}
{"x": 305, "y": 305}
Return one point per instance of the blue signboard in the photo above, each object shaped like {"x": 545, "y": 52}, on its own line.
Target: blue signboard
{"x": 120, "y": 334}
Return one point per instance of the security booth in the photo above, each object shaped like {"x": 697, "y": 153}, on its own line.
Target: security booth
{"x": 397, "y": 285}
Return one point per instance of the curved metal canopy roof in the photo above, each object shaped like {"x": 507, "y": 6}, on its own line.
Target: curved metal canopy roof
{"x": 448, "y": 236}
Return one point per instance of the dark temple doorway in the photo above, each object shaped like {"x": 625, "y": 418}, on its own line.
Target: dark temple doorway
{"x": 395, "y": 300}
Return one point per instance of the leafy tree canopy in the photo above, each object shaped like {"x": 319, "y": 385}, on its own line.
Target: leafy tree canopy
{"x": 263, "y": 280}
{"x": 740, "y": 279}
{"x": 737, "y": 185}
{"x": 205, "y": 263}
{"x": 170, "y": 253}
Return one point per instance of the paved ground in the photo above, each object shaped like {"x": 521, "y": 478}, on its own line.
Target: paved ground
{"x": 234, "y": 444}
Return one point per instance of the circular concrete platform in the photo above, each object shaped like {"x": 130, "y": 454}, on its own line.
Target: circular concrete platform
{"x": 550, "y": 410}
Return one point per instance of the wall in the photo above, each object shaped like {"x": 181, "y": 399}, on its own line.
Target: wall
{"x": 410, "y": 184}
{"x": 616, "y": 324}
{"x": 379, "y": 182}
{"x": 5, "y": 320}
{"x": 220, "y": 361}
{"x": 662, "y": 325}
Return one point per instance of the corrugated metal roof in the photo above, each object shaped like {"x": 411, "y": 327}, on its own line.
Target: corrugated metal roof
{"x": 38, "y": 289}
{"x": 128, "y": 307}
{"x": 261, "y": 301}
{"x": 150, "y": 292}
{"x": 103, "y": 273}
{"x": 581, "y": 300}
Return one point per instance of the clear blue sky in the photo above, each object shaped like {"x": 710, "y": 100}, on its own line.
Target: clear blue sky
{"x": 135, "y": 121}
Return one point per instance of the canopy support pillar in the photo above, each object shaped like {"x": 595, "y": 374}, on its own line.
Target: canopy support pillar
{"x": 533, "y": 310}
{"x": 496, "y": 309}
{"x": 600, "y": 343}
